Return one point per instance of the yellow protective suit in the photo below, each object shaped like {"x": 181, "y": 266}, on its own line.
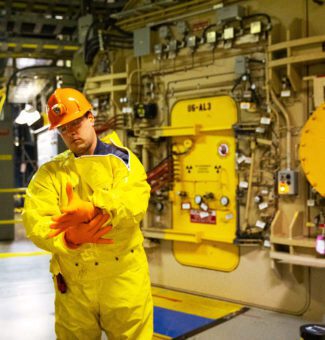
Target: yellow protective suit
{"x": 108, "y": 286}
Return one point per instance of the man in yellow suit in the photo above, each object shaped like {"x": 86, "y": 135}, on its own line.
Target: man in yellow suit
{"x": 84, "y": 207}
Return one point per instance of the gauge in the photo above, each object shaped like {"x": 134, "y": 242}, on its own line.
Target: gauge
{"x": 224, "y": 200}
{"x": 198, "y": 199}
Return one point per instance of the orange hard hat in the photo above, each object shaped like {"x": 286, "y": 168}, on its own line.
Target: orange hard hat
{"x": 66, "y": 105}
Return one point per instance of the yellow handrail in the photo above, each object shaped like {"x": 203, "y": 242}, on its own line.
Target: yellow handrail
{"x": 10, "y": 221}
{"x": 8, "y": 190}
{"x": 3, "y": 97}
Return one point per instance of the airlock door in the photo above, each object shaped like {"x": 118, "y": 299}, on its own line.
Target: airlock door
{"x": 205, "y": 182}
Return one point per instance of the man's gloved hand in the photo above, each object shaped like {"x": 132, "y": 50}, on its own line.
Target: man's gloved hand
{"x": 60, "y": 227}
{"x": 77, "y": 210}
{"x": 91, "y": 232}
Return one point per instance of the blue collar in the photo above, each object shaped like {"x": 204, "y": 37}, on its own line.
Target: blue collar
{"x": 106, "y": 149}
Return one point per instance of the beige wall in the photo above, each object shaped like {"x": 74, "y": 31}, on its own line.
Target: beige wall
{"x": 253, "y": 282}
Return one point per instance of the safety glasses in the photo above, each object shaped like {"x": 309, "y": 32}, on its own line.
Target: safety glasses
{"x": 73, "y": 125}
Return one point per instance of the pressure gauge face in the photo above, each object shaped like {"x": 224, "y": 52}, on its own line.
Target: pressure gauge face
{"x": 224, "y": 201}
{"x": 198, "y": 199}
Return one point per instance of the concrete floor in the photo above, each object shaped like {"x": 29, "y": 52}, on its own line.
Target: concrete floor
{"x": 27, "y": 304}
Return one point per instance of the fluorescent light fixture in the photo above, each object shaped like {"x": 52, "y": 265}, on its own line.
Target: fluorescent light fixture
{"x": 28, "y": 116}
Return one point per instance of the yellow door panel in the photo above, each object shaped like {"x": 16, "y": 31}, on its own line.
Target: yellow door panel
{"x": 205, "y": 182}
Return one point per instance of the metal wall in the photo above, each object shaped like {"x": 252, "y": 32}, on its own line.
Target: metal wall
{"x": 6, "y": 181}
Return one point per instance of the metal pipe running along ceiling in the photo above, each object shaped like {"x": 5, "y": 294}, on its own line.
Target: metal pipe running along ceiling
{"x": 145, "y": 15}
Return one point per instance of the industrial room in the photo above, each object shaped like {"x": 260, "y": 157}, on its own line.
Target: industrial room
{"x": 222, "y": 103}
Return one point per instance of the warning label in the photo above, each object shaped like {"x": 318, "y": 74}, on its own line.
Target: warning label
{"x": 199, "y": 216}
{"x": 203, "y": 168}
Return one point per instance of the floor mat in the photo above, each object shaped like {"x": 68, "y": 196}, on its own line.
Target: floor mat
{"x": 180, "y": 315}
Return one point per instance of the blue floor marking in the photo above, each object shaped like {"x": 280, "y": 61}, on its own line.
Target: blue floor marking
{"x": 172, "y": 323}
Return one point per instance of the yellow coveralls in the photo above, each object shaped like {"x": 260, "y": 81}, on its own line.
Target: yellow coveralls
{"x": 108, "y": 286}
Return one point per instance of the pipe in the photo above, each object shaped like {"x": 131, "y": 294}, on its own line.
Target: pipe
{"x": 163, "y": 181}
{"x": 181, "y": 17}
{"x": 157, "y": 171}
{"x": 202, "y": 87}
{"x": 173, "y": 69}
{"x": 171, "y": 13}
{"x": 145, "y": 162}
{"x": 250, "y": 184}
{"x": 222, "y": 91}
{"x": 277, "y": 117}
{"x": 288, "y": 127}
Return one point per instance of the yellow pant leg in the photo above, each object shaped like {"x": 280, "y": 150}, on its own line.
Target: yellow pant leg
{"x": 76, "y": 313}
{"x": 126, "y": 308}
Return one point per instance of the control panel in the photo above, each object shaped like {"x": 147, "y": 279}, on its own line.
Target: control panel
{"x": 287, "y": 182}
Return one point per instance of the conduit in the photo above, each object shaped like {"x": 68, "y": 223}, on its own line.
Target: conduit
{"x": 288, "y": 127}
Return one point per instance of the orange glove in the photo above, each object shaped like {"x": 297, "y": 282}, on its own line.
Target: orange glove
{"x": 60, "y": 227}
{"x": 77, "y": 210}
{"x": 88, "y": 232}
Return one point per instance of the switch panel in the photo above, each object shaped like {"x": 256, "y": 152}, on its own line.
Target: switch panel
{"x": 287, "y": 182}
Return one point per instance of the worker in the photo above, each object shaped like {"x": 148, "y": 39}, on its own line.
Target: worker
{"x": 84, "y": 206}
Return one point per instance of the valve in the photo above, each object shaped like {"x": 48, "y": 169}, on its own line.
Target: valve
{"x": 182, "y": 194}
{"x": 209, "y": 196}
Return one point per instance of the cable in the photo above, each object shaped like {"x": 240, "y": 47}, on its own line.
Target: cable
{"x": 93, "y": 47}
{"x": 263, "y": 15}
{"x": 126, "y": 33}
{"x": 207, "y": 28}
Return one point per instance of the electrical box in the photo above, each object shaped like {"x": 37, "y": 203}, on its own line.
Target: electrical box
{"x": 182, "y": 27}
{"x": 211, "y": 37}
{"x": 287, "y": 182}
{"x": 159, "y": 49}
{"x": 229, "y": 13}
{"x": 142, "y": 42}
{"x": 173, "y": 45}
{"x": 191, "y": 41}
{"x": 147, "y": 111}
{"x": 240, "y": 66}
{"x": 229, "y": 33}
{"x": 256, "y": 27}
